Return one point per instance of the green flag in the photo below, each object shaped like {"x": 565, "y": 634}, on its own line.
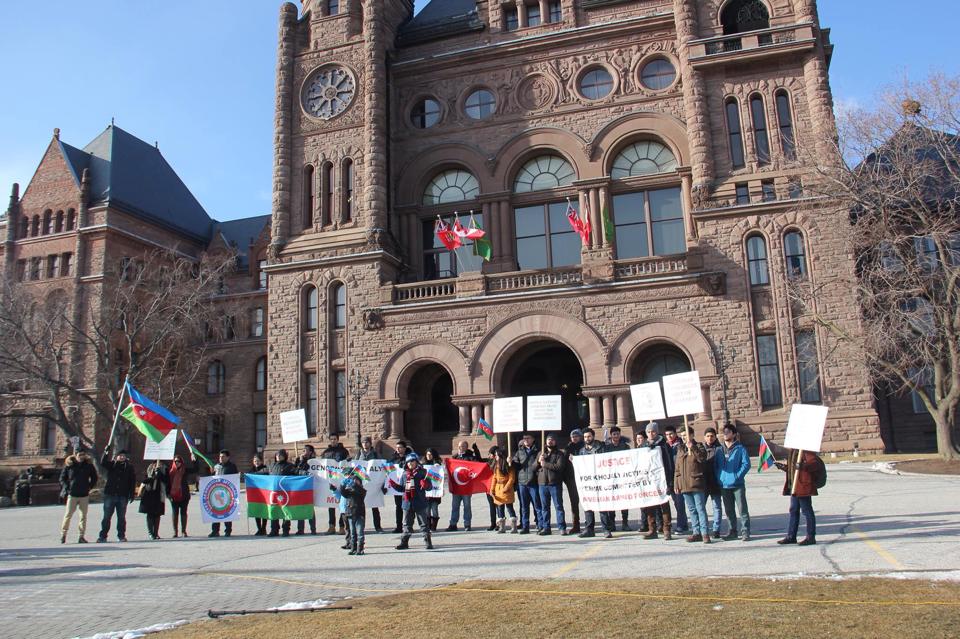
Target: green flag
{"x": 483, "y": 248}
{"x": 608, "y": 230}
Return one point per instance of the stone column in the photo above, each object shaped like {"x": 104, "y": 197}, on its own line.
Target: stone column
{"x": 396, "y": 423}
{"x": 596, "y": 418}
{"x": 476, "y": 412}
{"x": 820, "y": 100}
{"x": 608, "y": 414}
{"x": 521, "y": 14}
{"x": 686, "y": 191}
{"x": 464, "y": 411}
{"x": 283, "y": 126}
{"x": 624, "y": 411}
{"x": 596, "y": 227}
{"x": 603, "y": 200}
{"x": 544, "y": 12}
{"x": 507, "y": 233}
{"x": 695, "y": 96}
{"x": 375, "y": 174}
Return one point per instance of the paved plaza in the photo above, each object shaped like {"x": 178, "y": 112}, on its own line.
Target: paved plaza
{"x": 868, "y": 523}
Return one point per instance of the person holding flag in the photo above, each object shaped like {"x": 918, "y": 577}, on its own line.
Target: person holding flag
{"x": 223, "y": 467}
{"x": 257, "y": 467}
{"x": 730, "y": 468}
{"x": 414, "y": 486}
{"x": 117, "y": 493}
{"x": 464, "y": 454}
{"x": 281, "y": 467}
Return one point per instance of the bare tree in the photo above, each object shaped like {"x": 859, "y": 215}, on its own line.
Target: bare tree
{"x": 150, "y": 322}
{"x": 899, "y": 183}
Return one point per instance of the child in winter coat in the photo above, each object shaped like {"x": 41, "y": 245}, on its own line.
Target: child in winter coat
{"x": 352, "y": 496}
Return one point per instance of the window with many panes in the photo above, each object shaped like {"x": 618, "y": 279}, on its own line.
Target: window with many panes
{"x": 545, "y": 238}
{"x": 262, "y": 274}
{"x": 339, "y": 297}
{"x": 760, "y": 137}
{"x": 795, "y": 255}
{"x": 440, "y": 263}
{"x": 260, "y": 431}
{"x": 511, "y": 20}
{"x": 649, "y": 223}
{"x": 735, "y": 134}
{"x": 310, "y": 304}
{"x": 216, "y": 378}
{"x": 256, "y": 322}
{"x": 453, "y": 185}
{"x": 808, "y": 370}
{"x": 757, "y": 261}
{"x": 768, "y": 363}
{"x": 213, "y": 438}
{"x": 311, "y": 403}
{"x": 49, "y": 443}
{"x": 533, "y": 15}
{"x": 340, "y": 401}
{"x": 596, "y": 83}
{"x": 544, "y": 172}
{"x": 785, "y": 123}
{"x": 555, "y": 11}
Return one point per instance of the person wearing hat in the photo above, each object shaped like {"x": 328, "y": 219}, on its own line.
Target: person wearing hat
{"x": 303, "y": 467}
{"x": 117, "y": 493}
{"x": 223, "y": 467}
{"x": 399, "y": 458}
{"x": 659, "y": 516}
{"x": 525, "y": 461}
{"x": 281, "y": 466}
{"x": 570, "y": 477}
{"x": 337, "y": 452}
{"x": 414, "y": 486}
{"x": 551, "y": 467}
{"x": 369, "y": 453}
{"x": 76, "y": 479}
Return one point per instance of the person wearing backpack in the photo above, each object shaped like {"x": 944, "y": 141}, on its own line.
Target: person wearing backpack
{"x": 810, "y": 474}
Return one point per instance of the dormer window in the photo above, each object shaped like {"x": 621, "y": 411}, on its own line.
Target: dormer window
{"x": 740, "y": 16}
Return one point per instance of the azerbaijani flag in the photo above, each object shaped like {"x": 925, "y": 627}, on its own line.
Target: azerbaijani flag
{"x": 361, "y": 472}
{"x": 391, "y": 467}
{"x": 334, "y": 473}
{"x": 433, "y": 472}
{"x": 485, "y": 429}
{"x": 279, "y": 496}
{"x": 153, "y": 420}
{"x": 766, "y": 457}
{"x": 194, "y": 450}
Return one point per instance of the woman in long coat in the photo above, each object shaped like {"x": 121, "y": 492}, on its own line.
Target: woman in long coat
{"x": 503, "y": 489}
{"x": 152, "y": 492}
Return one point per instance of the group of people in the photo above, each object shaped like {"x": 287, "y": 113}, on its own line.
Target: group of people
{"x": 696, "y": 473}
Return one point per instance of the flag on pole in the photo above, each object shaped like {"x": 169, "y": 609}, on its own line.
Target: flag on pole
{"x": 766, "y": 457}
{"x": 194, "y": 450}
{"x": 458, "y": 229}
{"x": 360, "y": 472}
{"x": 446, "y": 236}
{"x": 484, "y": 428}
{"x": 151, "y": 419}
{"x": 468, "y": 478}
{"x": 582, "y": 229}
{"x": 433, "y": 472}
{"x": 334, "y": 473}
{"x": 279, "y": 496}
{"x": 608, "y": 229}
{"x": 474, "y": 232}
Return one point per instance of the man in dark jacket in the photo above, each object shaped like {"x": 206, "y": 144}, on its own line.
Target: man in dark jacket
{"x": 552, "y": 465}
{"x": 303, "y": 466}
{"x": 570, "y": 478}
{"x": 337, "y": 452}
{"x": 713, "y": 447}
{"x": 369, "y": 453}
{"x": 525, "y": 462}
{"x": 399, "y": 459}
{"x": 673, "y": 443}
{"x": 223, "y": 467}
{"x": 281, "y": 466}
{"x": 617, "y": 443}
{"x": 592, "y": 447}
{"x": 657, "y": 441}
{"x": 414, "y": 487}
{"x": 117, "y": 493}
{"x": 76, "y": 479}
{"x": 690, "y": 480}
{"x": 463, "y": 453}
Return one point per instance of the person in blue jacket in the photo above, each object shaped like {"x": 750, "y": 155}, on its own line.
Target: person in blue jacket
{"x": 731, "y": 465}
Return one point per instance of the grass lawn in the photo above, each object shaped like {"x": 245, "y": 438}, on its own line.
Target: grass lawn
{"x": 721, "y": 607}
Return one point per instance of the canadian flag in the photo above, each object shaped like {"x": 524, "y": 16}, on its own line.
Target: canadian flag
{"x": 467, "y": 477}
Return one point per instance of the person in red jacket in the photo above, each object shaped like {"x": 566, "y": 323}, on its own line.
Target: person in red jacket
{"x": 806, "y": 469}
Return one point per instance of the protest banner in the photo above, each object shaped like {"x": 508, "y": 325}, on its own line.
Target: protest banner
{"x": 508, "y": 415}
{"x": 374, "y": 486}
{"x": 162, "y": 450}
{"x": 647, "y": 402}
{"x": 293, "y": 426}
{"x": 437, "y": 475}
{"x": 325, "y": 472}
{"x": 621, "y": 480}
{"x": 220, "y": 498}
{"x": 805, "y": 427}
{"x": 683, "y": 394}
{"x": 544, "y": 412}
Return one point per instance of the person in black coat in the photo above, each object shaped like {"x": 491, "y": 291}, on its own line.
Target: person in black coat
{"x": 151, "y": 497}
{"x": 117, "y": 493}
{"x": 281, "y": 466}
{"x": 334, "y": 451}
{"x": 76, "y": 480}
{"x": 257, "y": 467}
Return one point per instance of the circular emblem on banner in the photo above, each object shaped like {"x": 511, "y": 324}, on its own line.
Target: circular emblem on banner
{"x": 220, "y": 499}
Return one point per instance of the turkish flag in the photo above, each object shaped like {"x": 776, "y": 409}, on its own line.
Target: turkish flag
{"x": 467, "y": 477}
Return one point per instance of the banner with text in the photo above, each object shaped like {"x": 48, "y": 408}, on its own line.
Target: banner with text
{"x": 621, "y": 480}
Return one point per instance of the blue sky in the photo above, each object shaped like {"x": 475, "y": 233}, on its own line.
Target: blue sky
{"x": 198, "y": 77}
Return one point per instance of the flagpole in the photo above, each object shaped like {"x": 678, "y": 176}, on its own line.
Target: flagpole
{"x": 116, "y": 415}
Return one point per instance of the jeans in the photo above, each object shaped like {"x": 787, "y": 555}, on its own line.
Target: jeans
{"x": 679, "y": 505}
{"x": 433, "y": 507}
{"x": 806, "y": 505}
{"x": 530, "y": 496}
{"x": 735, "y": 499}
{"x": 355, "y": 526}
{"x": 423, "y": 516}
{"x": 502, "y": 511}
{"x": 398, "y": 502}
{"x": 556, "y": 494}
{"x": 467, "y": 510}
{"x": 376, "y": 519}
{"x": 73, "y": 503}
{"x": 111, "y": 504}
{"x": 696, "y": 504}
{"x": 717, "y": 517}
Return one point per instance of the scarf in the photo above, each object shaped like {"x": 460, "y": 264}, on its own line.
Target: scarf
{"x": 176, "y": 482}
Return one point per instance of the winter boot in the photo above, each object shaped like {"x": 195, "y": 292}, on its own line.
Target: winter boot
{"x": 429, "y": 543}
{"x": 501, "y": 526}
{"x": 360, "y": 549}
{"x": 624, "y": 526}
{"x": 434, "y": 522}
{"x": 651, "y": 527}
{"x": 404, "y": 543}
{"x": 513, "y": 525}
{"x": 353, "y": 549}
{"x": 576, "y": 524}
{"x": 667, "y": 526}
{"x": 644, "y": 522}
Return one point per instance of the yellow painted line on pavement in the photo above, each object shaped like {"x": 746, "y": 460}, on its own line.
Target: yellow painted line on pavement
{"x": 576, "y": 562}
{"x": 880, "y": 550}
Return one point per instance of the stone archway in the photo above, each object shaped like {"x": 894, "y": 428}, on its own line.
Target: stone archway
{"x": 404, "y": 363}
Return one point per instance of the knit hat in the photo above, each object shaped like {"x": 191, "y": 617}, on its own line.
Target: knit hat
{"x": 411, "y": 457}
{"x": 576, "y": 432}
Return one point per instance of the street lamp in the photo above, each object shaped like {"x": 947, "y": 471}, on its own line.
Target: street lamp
{"x": 723, "y": 358}
{"x": 358, "y": 386}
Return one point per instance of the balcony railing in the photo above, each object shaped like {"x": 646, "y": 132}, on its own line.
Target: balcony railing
{"x": 651, "y": 266}
{"x": 425, "y": 290}
{"x": 754, "y": 43}
{"x": 526, "y": 280}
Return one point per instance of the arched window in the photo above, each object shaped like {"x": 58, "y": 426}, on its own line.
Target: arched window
{"x": 256, "y": 322}
{"x": 339, "y": 297}
{"x": 24, "y": 227}
{"x": 455, "y": 185}
{"x": 326, "y": 187}
{"x": 71, "y": 219}
{"x": 785, "y": 122}
{"x": 261, "y": 375}
{"x": 310, "y": 309}
{"x": 347, "y": 176}
{"x": 643, "y": 158}
{"x": 47, "y": 222}
{"x": 309, "y": 196}
{"x": 58, "y": 223}
{"x": 216, "y": 378}
{"x": 758, "y": 116}
{"x": 35, "y": 226}
{"x": 795, "y": 255}
{"x": 757, "y": 261}
{"x": 544, "y": 172}
{"x": 740, "y": 16}
{"x": 735, "y": 133}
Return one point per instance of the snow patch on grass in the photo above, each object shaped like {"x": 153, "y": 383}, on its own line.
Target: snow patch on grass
{"x": 139, "y": 632}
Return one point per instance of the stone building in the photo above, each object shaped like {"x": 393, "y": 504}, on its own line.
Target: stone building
{"x": 682, "y": 130}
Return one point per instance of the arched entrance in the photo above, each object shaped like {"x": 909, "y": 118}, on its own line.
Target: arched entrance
{"x": 653, "y": 363}
{"x": 432, "y": 419}
{"x": 547, "y": 367}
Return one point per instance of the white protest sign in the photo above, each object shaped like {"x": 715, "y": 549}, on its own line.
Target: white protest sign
{"x": 374, "y": 486}
{"x": 397, "y": 476}
{"x": 164, "y": 449}
{"x": 805, "y": 427}
{"x": 508, "y": 415}
{"x": 220, "y": 498}
{"x": 293, "y": 426}
{"x": 621, "y": 480}
{"x": 433, "y": 472}
{"x": 544, "y": 412}
{"x": 325, "y": 472}
{"x": 647, "y": 402}
{"x": 683, "y": 394}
